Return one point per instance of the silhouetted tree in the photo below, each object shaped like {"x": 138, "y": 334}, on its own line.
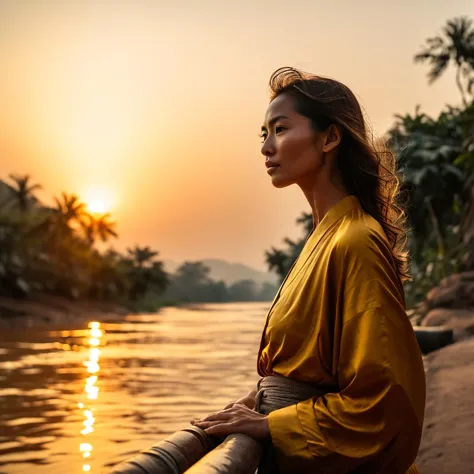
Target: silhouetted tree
{"x": 23, "y": 191}
{"x": 455, "y": 45}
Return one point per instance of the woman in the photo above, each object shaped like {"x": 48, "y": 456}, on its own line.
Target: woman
{"x": 339, "y": 317}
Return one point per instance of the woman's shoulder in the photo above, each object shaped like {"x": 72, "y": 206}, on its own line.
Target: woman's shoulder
{"x": 359, "y": 235}
{"x": 363, "y": 254}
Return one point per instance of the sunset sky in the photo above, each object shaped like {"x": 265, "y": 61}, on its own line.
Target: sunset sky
{"x": 153, "y": 108}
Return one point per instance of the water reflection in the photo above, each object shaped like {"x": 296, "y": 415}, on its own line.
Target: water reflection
{"x": 92, "y": 340}
{"x": 84, "y": 399}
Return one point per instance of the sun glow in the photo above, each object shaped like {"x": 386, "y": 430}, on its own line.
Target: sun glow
{"x": 98, "y": 201}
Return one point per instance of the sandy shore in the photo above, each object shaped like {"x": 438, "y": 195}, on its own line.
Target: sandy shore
{"x": 54, "y": 311}
{"x": 446, "y": 445}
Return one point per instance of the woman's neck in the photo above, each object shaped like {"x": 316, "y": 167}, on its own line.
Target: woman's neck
{"x": 323, "y": 198}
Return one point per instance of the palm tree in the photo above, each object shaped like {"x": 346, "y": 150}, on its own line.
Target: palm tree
{"x": 23, "y": 190}
{"x": 88, "y": 225}
{"x": 456, "y": 45}
{"x": 105, "y": 228}
{"x": 144, "y": 272}
{"x": 100, "y": 227}
{"x": 141, "y": 256}
{"x": 70, "y": 208}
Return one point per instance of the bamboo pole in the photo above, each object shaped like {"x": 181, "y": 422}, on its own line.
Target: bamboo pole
{"x": 238, "y": 454}
{"x": 174, "y": 455}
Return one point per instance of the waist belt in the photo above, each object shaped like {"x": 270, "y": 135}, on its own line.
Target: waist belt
{"x": 275, "y": 392}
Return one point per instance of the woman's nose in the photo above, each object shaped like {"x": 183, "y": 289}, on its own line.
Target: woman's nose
{"x": 267, "y": 148}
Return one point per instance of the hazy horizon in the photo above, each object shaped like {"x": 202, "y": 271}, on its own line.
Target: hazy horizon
{"x": 156, "y": 106}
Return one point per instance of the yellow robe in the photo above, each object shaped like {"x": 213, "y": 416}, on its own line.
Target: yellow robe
{"x": 339, "y": 319}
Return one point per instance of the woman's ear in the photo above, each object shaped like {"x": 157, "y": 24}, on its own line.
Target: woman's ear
{"x": 333, "y": 136}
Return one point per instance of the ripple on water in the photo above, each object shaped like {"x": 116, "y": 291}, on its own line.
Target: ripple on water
{"x": 24, "y": 421}
{"x": 155, "y": 373}
{"x": 25, "y": 440}
{"x": 23, "y": 458}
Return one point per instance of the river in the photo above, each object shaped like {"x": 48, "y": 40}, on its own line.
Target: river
{"x": 83, "y": 399}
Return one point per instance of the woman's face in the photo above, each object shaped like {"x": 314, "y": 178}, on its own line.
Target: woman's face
{"x": 293, "y": 150}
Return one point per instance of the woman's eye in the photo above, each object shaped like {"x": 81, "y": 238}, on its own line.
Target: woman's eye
{"x": 279, "y": 129}
{"x": 263, "y": 136}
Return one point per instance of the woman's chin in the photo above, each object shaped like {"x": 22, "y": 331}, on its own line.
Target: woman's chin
{"x": 280, "y": 182}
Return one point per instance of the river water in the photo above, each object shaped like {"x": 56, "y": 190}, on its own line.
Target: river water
{"x": 83, "y": 399}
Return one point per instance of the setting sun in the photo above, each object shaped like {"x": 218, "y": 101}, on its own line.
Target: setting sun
{"x": 98, "y": 201}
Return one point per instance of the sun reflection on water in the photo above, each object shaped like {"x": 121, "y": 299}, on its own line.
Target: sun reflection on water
{"x": 91, "y": 389}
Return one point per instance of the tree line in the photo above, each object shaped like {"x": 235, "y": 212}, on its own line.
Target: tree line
{"x": 51, "y": 249}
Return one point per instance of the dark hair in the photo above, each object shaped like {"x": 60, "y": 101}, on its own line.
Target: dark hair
{"x": 366, "y": 165}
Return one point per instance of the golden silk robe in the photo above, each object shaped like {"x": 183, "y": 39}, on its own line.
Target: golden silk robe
{"x": 339, "y": 319}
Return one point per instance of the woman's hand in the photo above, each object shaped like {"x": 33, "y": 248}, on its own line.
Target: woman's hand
{"x": 248, "y": 401}
{"x": 237, "y": 419}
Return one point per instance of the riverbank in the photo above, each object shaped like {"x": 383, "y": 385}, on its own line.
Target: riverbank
{"x": 54, "y": 311}
{"x": 449, "y": 418}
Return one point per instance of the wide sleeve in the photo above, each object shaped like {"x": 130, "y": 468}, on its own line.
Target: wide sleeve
{"x": 379, "y": 373}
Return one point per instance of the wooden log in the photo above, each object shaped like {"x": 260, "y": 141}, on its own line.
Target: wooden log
{"x": 433, "y": 338}
{"x": 238, "y": 454}
{"x": 174, "y": 455}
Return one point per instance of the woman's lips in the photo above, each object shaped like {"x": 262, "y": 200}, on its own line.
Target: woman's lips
{"x": 272, "y": 168}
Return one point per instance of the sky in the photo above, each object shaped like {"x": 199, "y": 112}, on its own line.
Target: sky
{"x": 153, "y": 108}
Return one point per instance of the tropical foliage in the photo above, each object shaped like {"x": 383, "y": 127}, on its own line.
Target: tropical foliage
{"x": 454, "y": 46}
{"x": 51, "y": 249}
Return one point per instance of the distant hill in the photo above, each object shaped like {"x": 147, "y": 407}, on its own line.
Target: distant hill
{"x": 228, "y": 272}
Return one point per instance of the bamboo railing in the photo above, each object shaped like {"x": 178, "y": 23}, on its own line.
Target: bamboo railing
{"x": 192, "y": 451}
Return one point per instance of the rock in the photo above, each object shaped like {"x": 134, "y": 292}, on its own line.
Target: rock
{"x": 466, "y": 297}
{"x": 454, "y": 291}
{"x": 450, "y": 281}
{"x": 446, "y": 444}
{"x": 444, "y": 297}
{"x": 437, "y": 317}
{"x": 433, "y": 338}
{"x": 461, "y": 321}
{"x": 467, "y": 276}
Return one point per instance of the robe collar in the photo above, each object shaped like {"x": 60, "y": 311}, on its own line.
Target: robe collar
{"x": 335, "y": 213}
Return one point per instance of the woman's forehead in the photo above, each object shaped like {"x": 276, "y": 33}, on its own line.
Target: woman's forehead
{"x": 281, "y": 105}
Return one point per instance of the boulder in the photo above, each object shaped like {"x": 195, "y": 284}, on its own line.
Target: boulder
{"x": 466, "y": 296}
{"x": 433, "y": 338}
{"x": 443, "y": 296}
{"x": 450, "y": 280}
{"x": 467, "y": 276}
{"x": 454, "y": 291}
{"x": 460, "y": 321}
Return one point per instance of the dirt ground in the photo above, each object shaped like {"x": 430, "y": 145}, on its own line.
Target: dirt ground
{"x": 447, "y": 444}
